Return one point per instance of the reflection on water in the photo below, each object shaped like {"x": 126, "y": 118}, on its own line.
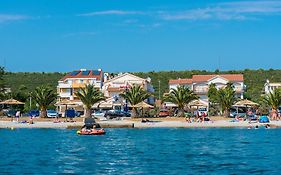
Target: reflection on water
{"x": 141, "y": 151}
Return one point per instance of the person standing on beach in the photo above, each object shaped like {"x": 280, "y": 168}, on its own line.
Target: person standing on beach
{"x": 274, "y": 114}
{"x": 31, "y": 118}
{"x": 17, "y": 116}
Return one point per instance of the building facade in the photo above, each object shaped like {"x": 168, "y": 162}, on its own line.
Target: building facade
{"x": 113, "y": 87}
{"x": 199, "y": 84}
{"x": 69, "y": 84}
{"x": 270, "y": 87}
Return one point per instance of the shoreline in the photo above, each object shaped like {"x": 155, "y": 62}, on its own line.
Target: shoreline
{"x": 137, "y": 124}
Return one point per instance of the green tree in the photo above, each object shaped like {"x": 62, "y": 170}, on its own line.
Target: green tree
{"x": 135, "y": 95}
{"x": 273, "y": 99}
{"x": 89, "y": 95}
{"x": 44, "y": 96}
{"x": 181, "y": 96}
{"x": 21, "y": 94}
{"x": 213, "y": 99}
{"x": 212, "y": 93}
{"x": 226, "y": 98}
{"x": 2, "y": 83}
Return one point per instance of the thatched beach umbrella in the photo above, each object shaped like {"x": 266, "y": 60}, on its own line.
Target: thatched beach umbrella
{"x": 197, "y": 103}
{"x": 142, "y": 105}
{"x": 12, "y": 102}
{"x": 67, "y": 103}
{"x": 246, "y": 103}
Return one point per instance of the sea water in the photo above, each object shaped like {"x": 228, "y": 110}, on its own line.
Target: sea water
{"x": 141, "y": 151}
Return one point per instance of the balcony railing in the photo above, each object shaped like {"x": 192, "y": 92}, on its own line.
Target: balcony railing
{"x": 64, "y": 94}
{"x": 64, "y": 85}
{"x": 205, "y": 90}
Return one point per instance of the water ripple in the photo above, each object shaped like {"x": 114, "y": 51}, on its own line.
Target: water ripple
{"x": 141, "y": 151}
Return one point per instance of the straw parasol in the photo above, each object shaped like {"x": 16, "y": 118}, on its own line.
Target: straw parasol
{"x": 143, "y": 105}
{"x": 66, "y": 102}
{"x": 246, "y": 103}
{"x": 12, "y": 102}
{"x": 197, "y": 103}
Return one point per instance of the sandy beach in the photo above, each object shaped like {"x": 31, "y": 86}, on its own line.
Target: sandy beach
{"x": 137, "y": 124}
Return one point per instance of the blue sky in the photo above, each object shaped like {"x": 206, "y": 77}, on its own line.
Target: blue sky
{"x": 139, "y": 35}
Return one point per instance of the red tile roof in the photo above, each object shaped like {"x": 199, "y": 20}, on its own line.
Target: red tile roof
{"x": 204, "y": 78}
{"x": 230, "y": 77}
{"x": 80, "y": 74}
{"x": 181, "y": 81}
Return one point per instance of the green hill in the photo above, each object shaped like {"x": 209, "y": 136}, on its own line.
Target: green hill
{"x": 31, "y": 79}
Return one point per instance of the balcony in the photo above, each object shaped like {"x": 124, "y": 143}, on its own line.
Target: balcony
{"x": 64, "y": 94}
{"x": 201, "y": 90}
{"x": 78, "y": 85}
{"x": 64, "y": 85}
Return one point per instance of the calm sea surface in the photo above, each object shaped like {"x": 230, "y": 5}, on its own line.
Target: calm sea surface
{"x": 141, "y": 151}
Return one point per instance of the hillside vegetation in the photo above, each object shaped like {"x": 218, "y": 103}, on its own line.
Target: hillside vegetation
{"x": 31, "y": 79}
{"x": 254, "y": 79}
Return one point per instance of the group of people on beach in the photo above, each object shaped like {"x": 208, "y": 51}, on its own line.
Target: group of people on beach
{"x": 199, "y": 118}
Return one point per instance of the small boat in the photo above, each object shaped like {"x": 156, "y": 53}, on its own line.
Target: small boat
{"x": 91, "y": 132}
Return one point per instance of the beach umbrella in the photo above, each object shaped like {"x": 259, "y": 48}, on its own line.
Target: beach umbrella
{"x": 67, "y": 103}
{"x": 12, "y": 102}
{"x": 197, "y": 103}
{"x": 143, "y": 105}
{"x": 246, "y": 103}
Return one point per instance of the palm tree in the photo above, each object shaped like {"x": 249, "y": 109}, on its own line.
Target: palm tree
{"x": 273, "y": 99}
{"x": 181, "y": 96}
{"x": 213, "y": 100}
{"x": 226, "y": 98}
{"x": 89, "y": 96}
{"x": 135, "y": 95}
{"x": 212, "y": 93}
{"x": 44, "y": 96}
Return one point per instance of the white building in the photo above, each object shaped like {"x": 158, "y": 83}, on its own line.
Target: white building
{"x": 113, "y": 87}
{"x": 200, "y": 84}
{"x": 270, "y": 87}
{"x": 73, "y": 81}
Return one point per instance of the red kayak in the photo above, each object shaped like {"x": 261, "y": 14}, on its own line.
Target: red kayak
{"x": 92, "y": 132}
